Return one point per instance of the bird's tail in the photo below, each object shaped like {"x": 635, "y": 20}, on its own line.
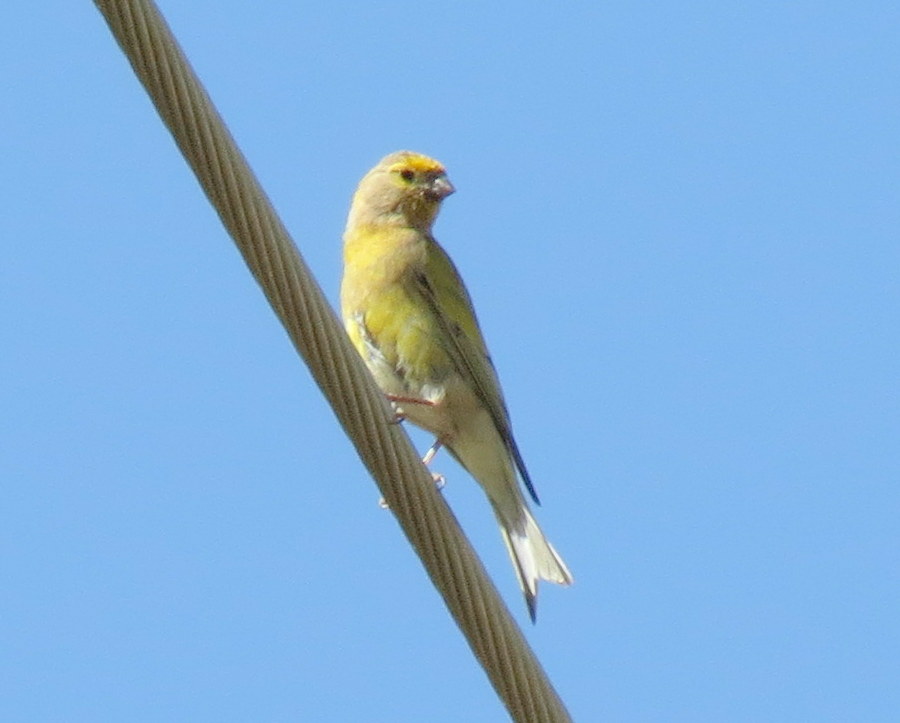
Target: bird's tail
{"x": 532, "y": 555}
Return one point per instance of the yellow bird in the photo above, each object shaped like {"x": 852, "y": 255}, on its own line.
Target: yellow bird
{"x": 410, "y": 317}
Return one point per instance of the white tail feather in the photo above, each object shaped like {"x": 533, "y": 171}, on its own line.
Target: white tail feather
{"x": 533, "y": 557}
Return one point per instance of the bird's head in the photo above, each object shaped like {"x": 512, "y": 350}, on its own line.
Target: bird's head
{"x": 405, "y": 188}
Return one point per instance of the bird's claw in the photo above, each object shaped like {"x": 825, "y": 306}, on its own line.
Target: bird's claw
{"x": 439, "y": 483}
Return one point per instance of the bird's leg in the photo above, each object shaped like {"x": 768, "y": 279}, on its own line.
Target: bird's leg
{"x": 409, "y": 400}
{"x": 438, "y": 478}
{"x": 396, "y": 401}
{"x": 433, "y": 450}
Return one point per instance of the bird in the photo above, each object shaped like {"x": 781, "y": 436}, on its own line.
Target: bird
{"x": 410, "y": 317}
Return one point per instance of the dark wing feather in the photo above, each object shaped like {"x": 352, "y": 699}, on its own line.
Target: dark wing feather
{"x": 453, "y": 313}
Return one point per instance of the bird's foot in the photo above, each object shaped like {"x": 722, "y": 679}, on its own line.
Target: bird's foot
{"x": 439, "y": 482}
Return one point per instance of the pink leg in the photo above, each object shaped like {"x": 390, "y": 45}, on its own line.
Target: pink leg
{"x": 409, "y": 400}
{"x": 438, "y": 478}
{"x": 433, "y": 450}
{"x": 396, "y": 401}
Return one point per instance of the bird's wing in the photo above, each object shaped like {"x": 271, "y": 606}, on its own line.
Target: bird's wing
{"x": 439, "y": 285}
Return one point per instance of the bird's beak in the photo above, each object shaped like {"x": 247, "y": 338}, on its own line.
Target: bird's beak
{"x": 441, "y": 188}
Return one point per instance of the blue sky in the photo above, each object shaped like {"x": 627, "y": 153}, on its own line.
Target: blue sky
{"x": 679, "y": 224}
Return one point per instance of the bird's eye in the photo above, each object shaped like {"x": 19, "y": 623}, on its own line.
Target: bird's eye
{"x": 407, "y": 175}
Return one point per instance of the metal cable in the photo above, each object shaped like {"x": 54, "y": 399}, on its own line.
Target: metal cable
{"x": 317, "y": 335}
